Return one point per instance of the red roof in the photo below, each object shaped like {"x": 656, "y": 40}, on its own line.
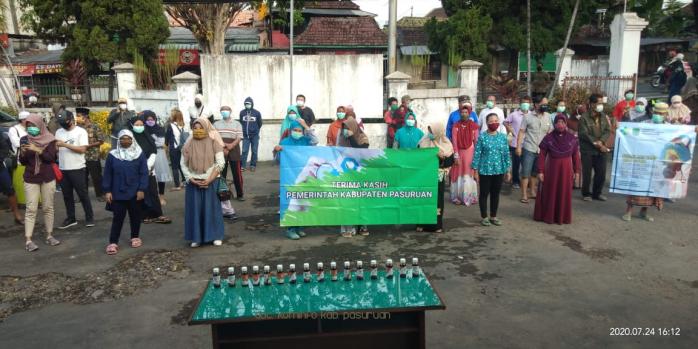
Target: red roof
{"x": 279, "y": 40}
{"x": 348, "y": 5}
{"x": 342, "y": 31}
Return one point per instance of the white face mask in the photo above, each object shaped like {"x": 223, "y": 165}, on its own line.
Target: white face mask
{"x": 123, "y": 106}
{"x": 300, "y": 103}
{"x": 599, "y": 108}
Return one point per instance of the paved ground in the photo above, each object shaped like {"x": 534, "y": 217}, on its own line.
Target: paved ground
{"x": 523, "y": 285}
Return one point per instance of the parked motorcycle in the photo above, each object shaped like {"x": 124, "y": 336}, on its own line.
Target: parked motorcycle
{"x": 659, "y": 77}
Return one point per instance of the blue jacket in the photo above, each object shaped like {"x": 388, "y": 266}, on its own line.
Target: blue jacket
{"x": 124, "y": 178}
{"x": 454, "y": 118}
{"x": 251, "y": 120}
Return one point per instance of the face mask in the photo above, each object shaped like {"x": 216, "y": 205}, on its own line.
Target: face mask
{"x": 225, "y": 114}
{"x": 560, "y": 127}
{"x": 629, "y": 96}
{"x": 197, "y": 104}
{"x": 33, "y": 130}
{"x": 394, "y": 107}
{"x": 640, "y": 108}
{"x": 341, "y": 115}
{"x": 150, "y": 123}
{"x": 410, "y": 122}
{"x": 199, "y": 133}
{"x": 490, "y": 104}
{"x": 292, "y": 116}
{"x": 561, "y": 109}
{"x": 544, "y": 108}
{"x": 657, "y": 119}
{"x": 599, "y": 108}
{"x": 248, "y": 106}
{"x": 65, "y": 124}
{"x": 432, "y": 137}
{"x": 464, "y": 117}
{"x": 300, "y": 103}
{"x": 493, "y": 126}
{"x": 297, "y": 134}
{"x": 138, "y": 129}
{"x": 123, "y": 106}
{"x": 525, "y": 106}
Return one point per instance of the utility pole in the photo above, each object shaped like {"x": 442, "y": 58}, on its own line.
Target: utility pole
{"x": 392, "y": 37}
{"x": 564, "y": 50}
{"x": 528, "y": 42}
{"x": 290, "y": 16}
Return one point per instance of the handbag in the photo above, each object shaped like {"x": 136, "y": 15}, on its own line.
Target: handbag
{"x": 57, "y": 172}
{"x": 223, "y": 191}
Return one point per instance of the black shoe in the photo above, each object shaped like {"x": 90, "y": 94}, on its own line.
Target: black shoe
{"x": 90, "y": 223}
{"x": 67, "y": 223}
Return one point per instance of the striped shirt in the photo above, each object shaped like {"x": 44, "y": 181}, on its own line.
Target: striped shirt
{"x": 229, "y": 130}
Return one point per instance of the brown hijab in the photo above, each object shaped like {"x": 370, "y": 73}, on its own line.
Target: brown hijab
{"x": 358, "y": 135}
{"x": 45, "y": 137}
{"x": 200, "y": 154}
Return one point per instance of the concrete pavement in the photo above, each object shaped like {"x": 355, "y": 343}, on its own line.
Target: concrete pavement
{"x": 522, "y": 285}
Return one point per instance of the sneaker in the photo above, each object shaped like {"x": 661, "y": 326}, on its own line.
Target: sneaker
{"x": 90, "y": 223}
{"x": 627, "y": 217}
{"x": 601, "y": 198}
{"x": 516, "y": 186}
{"x": 217, "y": 242}
{"x": 301, "y": 233}
{"x": 30, "y": 246}
{"x": 496, "y": 221}
{"x": 194, "y": 245}
{"x": 67, "y": 223}
{"x": 587, "y": 198}
{"x": 291, "y": 234}
{"x": 51, "y": 241}
{"x": 253, "y": 168}
{"x": 647, "y": 217}
{"x": 485, "y": 222}
{"x": 243, "y": 169}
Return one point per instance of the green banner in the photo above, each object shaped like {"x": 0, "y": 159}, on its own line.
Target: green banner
{"x": 325, "y": 186}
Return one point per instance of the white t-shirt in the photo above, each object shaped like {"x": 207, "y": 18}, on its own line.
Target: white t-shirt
{"x": 68, "y": 159}
{"x": 16, "y": 133}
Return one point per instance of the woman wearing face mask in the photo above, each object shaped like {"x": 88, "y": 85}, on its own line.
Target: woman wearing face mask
{"x": 638, "y": 113}
{"x": 625, "y": 106}
{"x": 491, "y": 166}
{"x": 202, "y": 162}
{"x": 333, "y": 132}
{"x": 351, "y": 136}
{"x": 299, "y": 136}
{"x": 162, "y": 166}
{"x": 38, "y": 153}
{"x": 125, "y": 182}
{"x": 437, "y": 139}
{"x": 679, "y": 112}
{"x": 292, "y": 114}
{"x": 464, "y": 137}
{"x": 409, "y": 136}
{"x": 559, "y": 165}
{"x": 151, "y": 208}
{"x": 175, "y": 139}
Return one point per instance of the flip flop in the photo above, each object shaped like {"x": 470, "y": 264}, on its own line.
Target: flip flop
{"x": 162, "y": 220}
{"x": 112, "y": 249}
{"x": 136, "y": 242}
{"x": 524, "y": 201}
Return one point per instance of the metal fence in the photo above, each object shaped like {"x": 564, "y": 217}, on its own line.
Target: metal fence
{"x": 45, "y": 92}
{"x": 613, "y": 87}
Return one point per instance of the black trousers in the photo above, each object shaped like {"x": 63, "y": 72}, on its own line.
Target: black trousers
{"x": 120, "y": 208}
{"x": 597, "y": 163}
{"x": 175, "y": 157}
{"x": 490, "y": 186}
{"x": 236, "y": 169}
{"x": 94, "y": 170}
{"x": 150, "y": 206}
{"x": 440, "y": 206}
{"x": 75, "y": 180}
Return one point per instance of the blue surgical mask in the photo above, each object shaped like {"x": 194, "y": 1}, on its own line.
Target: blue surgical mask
{"x": 296, "y": 134}
{"x": 341, "y": 115}
{"x": 33, "y": 130}
{"x": 525, "y": 107}
{"x": 410, "y": 122}
{"x": 657, "y": 119}
{"x": 225, "y": 114}
{"x": 561, "y": 109}
{"x": 248, "y": 106}
{"x": 640, "y": 108}
{"x": 138, "y": 129}
{"x": 292, "y": 116}
{"x": 490, "y": 104}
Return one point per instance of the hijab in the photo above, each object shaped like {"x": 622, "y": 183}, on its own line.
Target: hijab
{"x": 409, "y": 136}
{"x": 200, "y": 154}
{"x": 156, "y": 130}
{"x": 440, "y": 140}
{"x": 680, "y": 114}
{"x": 45, "y": 137}
{"x": 144, "y": 139}
{"x": 286, "y": 124}
{"x": 126, "y": 154}
{"x": 357, "y": 134}
{"x": 465, "y": 131}
{"x": 292, "y": 141}
{"x": 634, "y": 114}
{"x": 559, "y": 144}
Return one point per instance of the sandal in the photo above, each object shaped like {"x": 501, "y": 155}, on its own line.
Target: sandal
{"x": 30, "y": 246}
{"x": 136, "y": 242}
{"x": 485, "y": 222}
{"x": 363, "y": 232}
{"x": 112, "y": 249}
{"x": 456, "y": 202}
{"x": 51, "y": 241}
{"x": 162, "y": 220}
{"x": 347, "y": 234}
{"x": 147, "y": 221}
{"x": 420, "y": 229}
{"x": 523, "y": 201}
{"x": 495, "y": 221}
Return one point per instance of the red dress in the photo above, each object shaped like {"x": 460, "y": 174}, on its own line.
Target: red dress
{"x": 554, "y": 201}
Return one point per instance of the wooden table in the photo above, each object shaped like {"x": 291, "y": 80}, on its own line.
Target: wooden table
{"x": 358, "y": 314}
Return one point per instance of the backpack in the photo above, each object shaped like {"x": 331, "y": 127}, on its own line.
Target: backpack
{"x": 6, "y": 154}
{"x": 183, "y": 136}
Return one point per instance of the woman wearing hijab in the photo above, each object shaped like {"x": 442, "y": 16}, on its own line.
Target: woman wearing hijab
{"x": 298, "y": 136}
{"x": 559, "y": 164}
{"x": 679, "y": 112}
{"x": 38, "y": 153}
{"x": 491, "y": 166}
{"x": 125, "y": 182}
{"x": 352, "y": 136}
{"x": 151, "y": 208}
{"x": 202, "y": 162}
{"x": 464, "y": 135}
{"x": 446, "y": 154}
{"x": 408, "y": 136}
{"x": 638, "y": 113}
{"x": 333, "y": 132}
{"x": 292, "y": 114}
{"x": 162, "y": 166}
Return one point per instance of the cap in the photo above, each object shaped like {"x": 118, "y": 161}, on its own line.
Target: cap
{"x": 24, "y": 114}
{"x": 661, "y": 107}
{"x": 83, "y": 111}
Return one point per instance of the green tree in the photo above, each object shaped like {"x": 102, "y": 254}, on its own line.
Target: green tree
{"x": 462, "y": 36}
{"x": 208, "y": 22}
{"x": 98, "y": 31}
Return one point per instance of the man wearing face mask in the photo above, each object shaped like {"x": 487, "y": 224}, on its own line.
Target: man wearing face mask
{"x": 306, "y": 113}
{"x": 95, "y": 138}
{"x": 231, "y": 132}
{"x": 119, "y": 119}
{"x": 199, "y": 110}
{"x": 463, "y": 102}
{"x": 594, "y": 131}
{"x": 513, "y": 125}
{"x": 534, "y": 127}
{"x": 625, "y": 106}
{"x": 72, "y": 142}
{"x": 393, "y": 123}
{"x": 490, "y": 107}
{"x": 251, "y": 120}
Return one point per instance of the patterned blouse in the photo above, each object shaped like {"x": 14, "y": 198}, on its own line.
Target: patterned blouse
{"x": 491, "y": 154}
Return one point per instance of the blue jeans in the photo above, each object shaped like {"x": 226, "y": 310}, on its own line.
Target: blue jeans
{"x": 246, "y": 142}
